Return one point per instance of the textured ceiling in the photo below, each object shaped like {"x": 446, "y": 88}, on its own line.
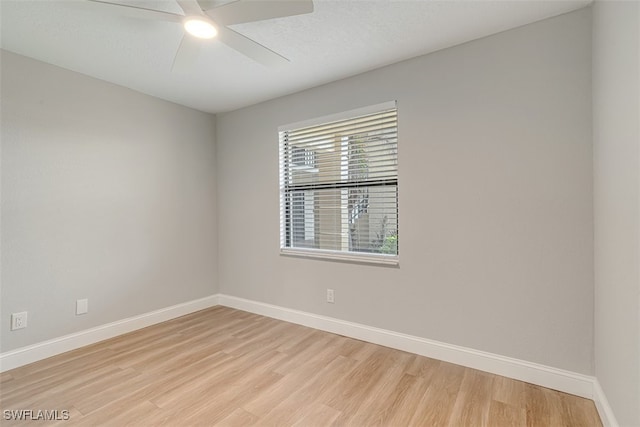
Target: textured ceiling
{"x": 339, "y": 39}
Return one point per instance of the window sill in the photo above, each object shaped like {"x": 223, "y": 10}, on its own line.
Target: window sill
{"x": 376, "y": 259}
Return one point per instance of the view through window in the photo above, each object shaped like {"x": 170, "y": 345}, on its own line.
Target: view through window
{"x": 339, "y": 185}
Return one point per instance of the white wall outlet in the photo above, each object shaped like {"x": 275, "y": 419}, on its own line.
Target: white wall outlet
{"x": 330, "y": 296}
{"x": 82, "y": 306}
{"x": 18, "y": 320}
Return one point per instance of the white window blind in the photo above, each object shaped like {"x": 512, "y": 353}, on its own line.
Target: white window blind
{"x": 339, "y": 186}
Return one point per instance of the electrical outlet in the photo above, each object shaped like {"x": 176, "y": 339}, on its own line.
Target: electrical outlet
{"x": 18, "y": 320}
{"x": 330, "y": 296}
{"x": 82, "y": 306}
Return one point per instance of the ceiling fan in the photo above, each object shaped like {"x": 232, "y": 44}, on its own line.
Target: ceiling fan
{"x": 210, "y": 23}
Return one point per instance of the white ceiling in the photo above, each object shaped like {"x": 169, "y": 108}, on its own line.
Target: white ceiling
{"x": 339, "y": 39}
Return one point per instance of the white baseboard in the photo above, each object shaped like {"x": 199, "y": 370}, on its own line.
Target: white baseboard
{"x": 534, "y": 373}
{"x": 602, "y": 405}
{"x": 33, "y": 353}
{"x": 546, "y": 376}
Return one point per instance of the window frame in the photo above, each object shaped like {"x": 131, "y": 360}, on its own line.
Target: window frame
{"x": 285, "y": 208}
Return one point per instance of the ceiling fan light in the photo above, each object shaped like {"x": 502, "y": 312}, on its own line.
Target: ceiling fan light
{"x": 200, "y": 28}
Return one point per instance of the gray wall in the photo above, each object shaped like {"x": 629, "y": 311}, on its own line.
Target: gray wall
{"x": 107, "y": 194}
{"x": 616, "y": 124}
{"x": 496, "y": 224}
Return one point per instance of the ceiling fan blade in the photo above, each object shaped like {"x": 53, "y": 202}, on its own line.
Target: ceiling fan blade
{"x": 249, "y": 48}
{"x": 186, "y": 55}
{"x": 131, "y": 11}
{"x": 242, "y": 11}
{"x": 190, "y": 7}
{"x": 210, "y": 4}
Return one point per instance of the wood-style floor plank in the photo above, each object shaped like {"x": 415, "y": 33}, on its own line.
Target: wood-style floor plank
{"x": 227, "y": 367}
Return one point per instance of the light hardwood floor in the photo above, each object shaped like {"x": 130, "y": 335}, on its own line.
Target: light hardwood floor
{"x": 226, "y": 367}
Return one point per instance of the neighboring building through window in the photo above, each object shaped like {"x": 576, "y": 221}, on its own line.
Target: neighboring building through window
{"x": 339, "y": 186}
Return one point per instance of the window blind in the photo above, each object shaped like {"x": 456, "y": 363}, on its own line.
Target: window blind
{"x": 339, "y": 185}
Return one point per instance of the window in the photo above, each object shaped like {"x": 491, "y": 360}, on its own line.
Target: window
{"x": 339, "y": 186}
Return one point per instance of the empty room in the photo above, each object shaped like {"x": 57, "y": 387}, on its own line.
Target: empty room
{"x": 320, "y": 212}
